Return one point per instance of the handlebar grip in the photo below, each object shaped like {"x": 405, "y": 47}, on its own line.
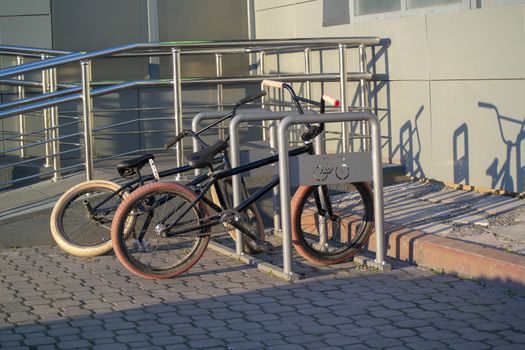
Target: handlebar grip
{"x": 175, "y": 140}
{"x": 251, "y": 98}
{"x": 331, "y": 100}
{"x": 273, "y": 83}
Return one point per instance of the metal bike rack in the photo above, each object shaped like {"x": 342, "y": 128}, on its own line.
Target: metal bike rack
{"x": 235, "y": 160}
{"x": 200, "y": 117}
{"x": 284, "y": 175}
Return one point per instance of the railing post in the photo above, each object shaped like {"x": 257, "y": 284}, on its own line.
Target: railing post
{"x": 263, "y": 99}
{"x": 307, "y": 68}
{"x": 272, "y": 130}
{"x": 87, "y": 107}
{"x": 220, "y": 92}
{"x": 47, "y": 113}
{"x": 177, "y": 106}
{"x": 363, "y": 86}
{"x": 343, "y": 73}
{"x": 54, "y": 127}
{"x": 21, "y": 117}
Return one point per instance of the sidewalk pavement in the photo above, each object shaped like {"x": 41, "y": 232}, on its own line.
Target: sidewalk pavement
{"x": 51, "y": 300}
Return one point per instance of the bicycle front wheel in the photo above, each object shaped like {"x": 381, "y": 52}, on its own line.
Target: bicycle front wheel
{"x": 81, "y": 218}
{"x": 151, "y": 251}
{"x": 326, "y": 239}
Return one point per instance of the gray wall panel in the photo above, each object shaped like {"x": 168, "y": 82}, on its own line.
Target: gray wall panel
{"x": 464, "y": 62}
{"x": 24, "y": 7}
{"x": 97, "y": 24}
{"x": 26, "y": 31}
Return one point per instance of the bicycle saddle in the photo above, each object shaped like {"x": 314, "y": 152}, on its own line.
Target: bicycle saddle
{"x": 129, "y": 168}
{"x": 203, "y": 158}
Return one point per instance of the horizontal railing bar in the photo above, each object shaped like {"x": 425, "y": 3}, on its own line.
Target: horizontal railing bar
{"x": 21, "y": 50}
{"x": 184, "y": 46}
{"x": 41, "y": 175}
{"x": 168, "y": 83}
{"x": 41, "y": 97}
{"x": 30, "y": 133}
{"x": 31, "y": 83}
{"x": 39, "y": 143}
{"x": 36, "y": 159}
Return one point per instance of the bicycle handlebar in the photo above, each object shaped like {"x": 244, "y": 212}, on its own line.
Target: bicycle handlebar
{"x": 175, "y": 140}
{"x": 273, "y": 83}
{"x": 331, "y": 100}
{"x": 239, "y": 103}
{"x": 250, "y": 98}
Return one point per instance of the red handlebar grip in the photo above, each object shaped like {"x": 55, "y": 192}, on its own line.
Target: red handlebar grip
{"x": 273, "y": 83}
{"x": 331, "y": 100}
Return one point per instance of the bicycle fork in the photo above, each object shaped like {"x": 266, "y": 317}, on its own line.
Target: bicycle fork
{"x": 326, "y": 213}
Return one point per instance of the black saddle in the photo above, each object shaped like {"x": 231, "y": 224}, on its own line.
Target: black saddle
{"x": 203, "y": 158}
{"x": 130, "y": 167}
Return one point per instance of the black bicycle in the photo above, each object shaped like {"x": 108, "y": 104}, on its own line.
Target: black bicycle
{"x": 81, "y": 218}
{"x": 173, "y": 222}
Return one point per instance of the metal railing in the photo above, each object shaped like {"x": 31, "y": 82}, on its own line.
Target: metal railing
{"x": 55, "y": 94}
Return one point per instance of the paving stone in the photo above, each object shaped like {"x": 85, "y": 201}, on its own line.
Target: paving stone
{"x": 471, "y": 219}
{"x": 470, "y": 346}
{"x": 336, "y": 308}
{"x": 498, "y": 204}
{"x": 452, "y": 196}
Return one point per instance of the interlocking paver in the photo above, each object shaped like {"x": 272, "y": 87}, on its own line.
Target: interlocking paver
{"x": 52, "y": 299}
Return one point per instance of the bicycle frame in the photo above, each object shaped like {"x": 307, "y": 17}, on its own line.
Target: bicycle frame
{"x": 211, "y": 179}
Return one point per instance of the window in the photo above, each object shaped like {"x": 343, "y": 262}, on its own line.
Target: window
{"x": 417, "y": 4}
{"x": 363, "y": 9}
{"x": 368, "y": 7}
{"x": 338, "y": 12}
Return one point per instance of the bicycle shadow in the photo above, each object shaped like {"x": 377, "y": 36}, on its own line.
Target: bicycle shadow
{"x": 460, "y": 146}
{"x": 410, "y": 146}
{"x": 501, "y": 175}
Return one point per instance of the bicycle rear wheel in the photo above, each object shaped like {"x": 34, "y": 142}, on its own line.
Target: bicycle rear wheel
{"x": 150, "y": 252}
{"x": 328, "y": 240}
{"x": 77, "y": 230}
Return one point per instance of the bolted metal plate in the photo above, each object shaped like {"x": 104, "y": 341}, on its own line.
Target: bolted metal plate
{"x": 325, "y": 169}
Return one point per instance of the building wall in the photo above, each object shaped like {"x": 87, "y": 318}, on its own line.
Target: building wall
{"x": 90, "y": 25}
{"x": 452, "y": 84}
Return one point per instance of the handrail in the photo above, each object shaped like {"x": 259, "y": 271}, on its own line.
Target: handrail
{"x": 56, "y": 98}
{"x": 73, "y": 91}
{"x": 183, "y": 46}
{"x": 15, "y": 50}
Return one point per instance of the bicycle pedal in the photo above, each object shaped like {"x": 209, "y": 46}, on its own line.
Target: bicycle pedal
{"x": 259, "y": 247}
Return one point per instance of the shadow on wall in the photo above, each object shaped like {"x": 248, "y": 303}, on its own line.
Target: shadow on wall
{"x": 460, "y": 151}
{"x": 502, "y": 174}
{"x": 379, "y": 83}
{"x": 409, "y": 148}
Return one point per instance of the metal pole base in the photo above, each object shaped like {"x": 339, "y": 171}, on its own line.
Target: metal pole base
{"x": 268, "y": 268}
{"x": 371, "y": 263}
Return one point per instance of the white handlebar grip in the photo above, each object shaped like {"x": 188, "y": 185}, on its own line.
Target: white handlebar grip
{"x": 273, "y": 83}
{"x": 331, "y": 100}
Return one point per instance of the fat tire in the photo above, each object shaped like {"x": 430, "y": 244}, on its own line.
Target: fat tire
{"x": 119, "y": 241}
{"x": 316, "y": 256}
{"x": 57, "y": 230}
